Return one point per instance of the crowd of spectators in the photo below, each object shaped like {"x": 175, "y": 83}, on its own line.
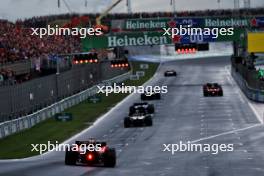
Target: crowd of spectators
{"x": 44, "y": 20}
{"x": 17, "y": 43}
{"x": 198, "y": 13}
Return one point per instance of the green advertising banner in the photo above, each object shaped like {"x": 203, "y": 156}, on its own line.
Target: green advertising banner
{"x": 152, "y": 38}
{"x": 125, "y": 39}
{"x": 150, "y": 24}
{"x": 227, "y": 22}
{"x": 138, "y": 32}
{"x": 146, "y": 24}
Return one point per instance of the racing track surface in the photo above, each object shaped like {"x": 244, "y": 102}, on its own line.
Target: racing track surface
{"x": 182, "y": 114}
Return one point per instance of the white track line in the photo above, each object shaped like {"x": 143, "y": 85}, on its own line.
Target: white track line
{"x": 225, "y": 133}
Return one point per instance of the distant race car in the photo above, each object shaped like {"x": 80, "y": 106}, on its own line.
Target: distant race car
{"x": 105, "y": 156}
{"x": 212, "y": 89}
{"x": 138, "y": 119}
{"x": 150, "y": 96}
{"x": 170, "y": 73}
{"x": 141, "y": 108}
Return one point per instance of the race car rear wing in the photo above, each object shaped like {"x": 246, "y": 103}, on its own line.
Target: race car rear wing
{"x": 89, "y": 142}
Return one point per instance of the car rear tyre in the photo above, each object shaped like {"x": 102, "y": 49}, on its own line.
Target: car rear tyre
{"x": 70, "y": 157}
{"x": 110, "y": 158}
{"x": 143, "y": 97}
{"x": 148, "y": 121}
{"x": 151, "y": 109}
{"x": 131, "y": 110}
{"x": 126, "y": 122}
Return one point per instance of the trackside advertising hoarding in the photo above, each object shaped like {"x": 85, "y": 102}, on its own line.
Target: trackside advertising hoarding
{"x": 146, "y": 24}
{"x": 139, "y": 24}
{"x": 150, "y": 38}
{"x": 255, "y": 42}
{"x": 234, "y": 22}
{"x": 128, "y": 39}
{"x": 157, "y": 24}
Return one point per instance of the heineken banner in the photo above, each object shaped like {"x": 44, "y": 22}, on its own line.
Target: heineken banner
{"x": 234, "y": 22}
{"x": 153, "y": 23}
{"x": 145, "y": 24}
{"x": 157, "y": 24}
{"x": 151, "y": 38}
{"x": 129, "y": 39}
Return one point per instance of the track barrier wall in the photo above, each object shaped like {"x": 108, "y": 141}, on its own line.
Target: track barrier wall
{"x": 28, "y": 97}
{"x": 9, "y": 127}
{"x": 253, "y": 94}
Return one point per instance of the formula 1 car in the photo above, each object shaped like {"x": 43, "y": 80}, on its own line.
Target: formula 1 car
{"x": 93, "y": 153}
{"x": 144, "y": 107}
{"x": 170, "y": 73}
{"x": 212, "y": 89}
{"x": 138, "y": 119}
{"x": 150, "y": 96}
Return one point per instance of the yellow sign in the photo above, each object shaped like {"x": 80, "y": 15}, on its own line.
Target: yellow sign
{"x": 255, "y": 42}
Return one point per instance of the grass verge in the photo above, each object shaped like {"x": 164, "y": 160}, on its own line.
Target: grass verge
{"x": 84, "y": 114}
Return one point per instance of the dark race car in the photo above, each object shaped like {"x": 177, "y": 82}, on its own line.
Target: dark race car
{"x": 92, "y": 153}
{"x": 141, "y": 108}
{"x": 170, "y": 73}
{"x": 212, "y": 89}
{"x": 150, "y": 96}
{"x": 138, "y": 120}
